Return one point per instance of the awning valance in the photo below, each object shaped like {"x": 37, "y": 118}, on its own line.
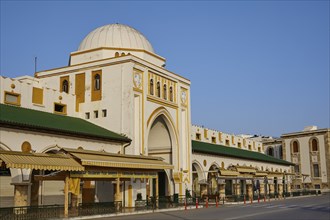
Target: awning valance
{"x": 103, "y": 159}
{"x": 245, "y": 169}
{"x": 224, "y": 172}
{"x": 261, "y": 173}
{"x": 39, "y": 161}
{"x": 275, "y": 174}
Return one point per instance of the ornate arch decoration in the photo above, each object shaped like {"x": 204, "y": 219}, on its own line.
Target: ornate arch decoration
{"x": 163, "y": 112}
{"x": 199, "y": 169}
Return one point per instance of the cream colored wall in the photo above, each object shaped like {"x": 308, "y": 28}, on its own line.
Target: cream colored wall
{"x": 50, "y": 95}
{"x": 42, "y": 142}
{"x": 106, "y": 53}
{"x": 118, "y": 98}
{"x": 225, "y": 136}
{"x": 305, "y": 165}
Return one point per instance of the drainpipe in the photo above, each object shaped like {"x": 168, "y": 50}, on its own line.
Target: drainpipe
{"x": 126, "y": 145}
{"x": 124, "y": 185}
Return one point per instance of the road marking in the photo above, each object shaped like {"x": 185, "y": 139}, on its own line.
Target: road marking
{"x": 292, "y": 206}
{"x": 273, "y": 206}
{"x": 256, "y": 214}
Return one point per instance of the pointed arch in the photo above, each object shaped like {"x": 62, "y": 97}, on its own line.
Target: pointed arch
{"x": 199, "y": 170}
{"x": 3, "y": 146}
{"x": 51, "y": 148}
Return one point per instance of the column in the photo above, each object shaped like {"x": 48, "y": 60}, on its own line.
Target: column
{"x": 222, "y": 191}
{"x": 118, "y": 197}
{"x": 249, "y": 190}
{"x": 157, "y": 191}
{"x": 280, "y": 190}
{"x": 66, "y": 197}
{"x": 203, "y": 190}
{"x": 34, "y": 192}
{"x": 21, "y": 193}
{"x": 289, "y": 188}
{"x": 271, "y": 189}
{"x": 238, "y": 188}
{"x": 262, "y": 189}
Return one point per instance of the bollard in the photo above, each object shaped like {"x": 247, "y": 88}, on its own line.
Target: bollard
{"x": 251, "y": 199}
{"x": 223, "y": 200}
{"x": 216, "y": 202}
{"x": 258, "y": 198}
{"x": 196, "y": 203}
{"x": 244, "y": 200}
{"x": 207, "y": 202}
{"x": 264, "y": 198}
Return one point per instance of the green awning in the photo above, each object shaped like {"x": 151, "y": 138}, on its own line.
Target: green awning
{"x": 23, "y": 118}
{"x": 215, "y": 149}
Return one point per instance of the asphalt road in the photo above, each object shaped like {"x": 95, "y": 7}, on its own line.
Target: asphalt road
{"x": 315, "y": 207}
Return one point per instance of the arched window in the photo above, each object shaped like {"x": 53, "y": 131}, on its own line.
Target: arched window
{"x": 165, "y": 92}
{"x": 97, "y": 82}
{"x": 158, "y": 89}
{"x": 270, "y": 151}
{"x": 314, "y": 145}
{"x": 295, "y": 147}
{"x": 171, "y": 93}
{"x": 151, "y": 89}
{"x": 281, "y": 152}
{"x": 65, "y": 86}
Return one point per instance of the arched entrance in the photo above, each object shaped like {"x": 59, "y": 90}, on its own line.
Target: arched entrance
{"x": 162, "y": 143}
{"x": 198, "y": 178}
{"x": 212, "y": 180}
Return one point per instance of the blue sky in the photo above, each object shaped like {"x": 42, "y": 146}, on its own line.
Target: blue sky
{"x": 257, "y": 67}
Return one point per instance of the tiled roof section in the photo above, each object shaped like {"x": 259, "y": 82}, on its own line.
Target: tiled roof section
{"x": 209, "y": 148}
{"x": 23, "y": 118}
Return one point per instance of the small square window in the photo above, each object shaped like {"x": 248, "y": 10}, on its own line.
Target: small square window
{"x": 250, "y": 147}
{"x": 104, "y": 113}
{"x": 227, "y": 142}
{"x": 59, "y": 108}
{"x": 198, "y": 136}
{"x": 87, "y": 115}
{"x": 96, "y": 114}
{"x": 12, "y": 98}
{"x": 214, "y": 141}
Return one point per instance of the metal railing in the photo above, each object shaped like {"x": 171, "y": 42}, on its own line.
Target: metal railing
{"x": 31, "y": 212}
{"x": 85, "y": 209}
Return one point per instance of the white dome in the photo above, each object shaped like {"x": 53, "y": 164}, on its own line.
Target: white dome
{"x": 117, "y": 36}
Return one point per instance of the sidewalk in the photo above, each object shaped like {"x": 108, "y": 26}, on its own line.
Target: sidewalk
{"x": 189, "y": 207}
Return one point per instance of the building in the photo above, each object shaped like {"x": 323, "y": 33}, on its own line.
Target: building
{"x": 114, "y": 126}
{"x": 235, "y": 166}
{"x": 309, "y": 150}
{"x": 116, "y": 81}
